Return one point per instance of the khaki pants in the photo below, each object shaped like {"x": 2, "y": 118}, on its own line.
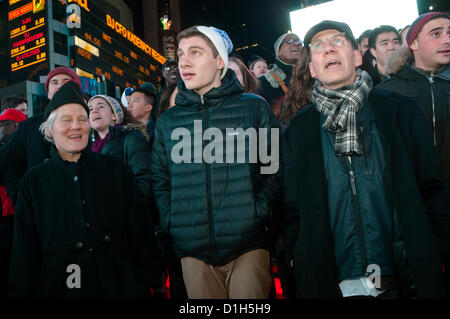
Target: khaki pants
{"x": 246, "y": 277}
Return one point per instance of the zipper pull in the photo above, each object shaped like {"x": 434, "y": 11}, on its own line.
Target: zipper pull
{"x": 202, "y": 100}
{"x": 352, "y": 182}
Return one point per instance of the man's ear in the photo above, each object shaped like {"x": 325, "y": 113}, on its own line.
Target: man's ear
{"x": 220, "y": 63}
{"x": 358, "y": 57}
{"x": 48, "y": 133}
{"x": 415, "y": 45}
{"x": 311, "y": 70}
{"x": 374, "y": 53}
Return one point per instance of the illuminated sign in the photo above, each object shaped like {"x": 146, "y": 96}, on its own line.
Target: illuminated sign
{"x": 27, "y": 36}
{"x": 130, "y": 36}
{"x": 81, "y": 3}
{"x": 125, "y": 59}
{"x": 118, "y": 60}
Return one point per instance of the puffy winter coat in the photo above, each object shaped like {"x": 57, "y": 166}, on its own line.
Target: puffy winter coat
{"x": 213, "y": 211}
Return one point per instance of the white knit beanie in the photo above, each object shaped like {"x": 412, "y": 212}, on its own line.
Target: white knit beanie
{"x": 279, "y": 41}
{"x": 221, "y": 41}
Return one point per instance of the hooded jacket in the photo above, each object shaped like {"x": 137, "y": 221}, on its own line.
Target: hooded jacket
{"x": 212, "y": 211}
{"x": 431, "y": 93}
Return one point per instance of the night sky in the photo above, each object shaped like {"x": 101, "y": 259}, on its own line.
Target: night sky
{"x": 245, "y": 21}
{"x": 250, "y": 21}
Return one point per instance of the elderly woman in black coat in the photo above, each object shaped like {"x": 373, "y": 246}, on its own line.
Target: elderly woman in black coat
{"x": 79, "y": 231}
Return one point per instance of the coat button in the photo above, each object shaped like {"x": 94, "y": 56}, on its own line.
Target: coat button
{"x": 316, "y": 211}
{"x": 75, "y": 178}
{"x": 88, "y": 225}
{"x": 107, "y": 238}
{"x": 79, "y": 245}
{"x": 84, "y": 202}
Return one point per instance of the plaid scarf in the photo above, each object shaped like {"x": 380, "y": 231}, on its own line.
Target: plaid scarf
{"x": 341, "y": 106}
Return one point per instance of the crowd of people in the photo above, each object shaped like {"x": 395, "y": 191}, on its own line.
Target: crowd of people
{"x": 110, "y": 198}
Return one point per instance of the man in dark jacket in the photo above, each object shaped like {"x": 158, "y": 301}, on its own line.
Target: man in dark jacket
{"x": 79, "y": 229}
{"x": 141, "y": 105}
{"x": 365, "y": 201}
{"x": 421, "y": 71}
{"x": 214, "y": 201}
{"x": 275, "y": 82}
{"x": 383, "y": 41}
{"x": 26, "y": 147}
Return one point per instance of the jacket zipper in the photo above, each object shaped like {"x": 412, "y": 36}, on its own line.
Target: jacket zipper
{"x": 433, "y": 109}
{"x": 208, "y": 193}
{"x": 358, "y": 214}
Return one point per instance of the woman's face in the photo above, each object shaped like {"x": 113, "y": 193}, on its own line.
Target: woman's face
{"x": 101, "y": 116}
{"x": 260, "y": 68}
{"x": 232, "y": 65}
{"x": 70, "y": 131}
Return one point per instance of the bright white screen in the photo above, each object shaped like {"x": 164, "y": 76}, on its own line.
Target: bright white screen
{"x": 360, "y": 15}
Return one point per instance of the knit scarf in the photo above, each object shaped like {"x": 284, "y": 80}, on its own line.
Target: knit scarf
{"x": 340, "y": 106}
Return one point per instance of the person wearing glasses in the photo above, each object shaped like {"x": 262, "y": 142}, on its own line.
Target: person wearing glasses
{"x": 365, "y": 202}
{"x": 140, "y": 106}
{"x": 275, "y": 82}
{"x": 170, "y": 72}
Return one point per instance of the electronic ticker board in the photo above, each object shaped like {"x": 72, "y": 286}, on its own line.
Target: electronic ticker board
{"x": 28, "y": 47}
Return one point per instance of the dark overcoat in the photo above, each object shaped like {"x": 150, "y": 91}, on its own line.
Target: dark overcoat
{"x": 86, "y": 216}
{"x": 419, "y": 192}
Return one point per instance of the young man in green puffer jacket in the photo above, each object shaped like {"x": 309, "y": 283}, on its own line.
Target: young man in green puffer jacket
{"x": 214, "y": 198}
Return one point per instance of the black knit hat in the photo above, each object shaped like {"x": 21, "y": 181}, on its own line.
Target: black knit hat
{"x": 330, "y": 25}
{"x": 68, "y": 93}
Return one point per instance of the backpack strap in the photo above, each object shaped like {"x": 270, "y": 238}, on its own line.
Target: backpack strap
{"x": 280, "y": 81}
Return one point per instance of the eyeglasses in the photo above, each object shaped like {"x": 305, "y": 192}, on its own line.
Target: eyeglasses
{"x": 295, "y": 41}
{"x": 338, "y": 40}
{"x": 173, "y": 68}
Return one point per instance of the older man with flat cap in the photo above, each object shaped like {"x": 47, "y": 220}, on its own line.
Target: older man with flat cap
{"x": 366, "y": 203}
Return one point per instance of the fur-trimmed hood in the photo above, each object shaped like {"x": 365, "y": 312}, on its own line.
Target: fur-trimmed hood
{"x": 138, "y": 127}
{"x": 400, "y": 57}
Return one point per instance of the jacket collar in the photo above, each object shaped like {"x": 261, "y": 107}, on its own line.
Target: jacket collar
{"x": 190, "y": 98}
{"x": 445, "y": 75}
{"x": 287, "y": 68}
{"x": 82, "y": 161}
{"x": 385, "y": 114}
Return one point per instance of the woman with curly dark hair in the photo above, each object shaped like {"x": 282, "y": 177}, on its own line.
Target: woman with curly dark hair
{"x": 248, "y": 80}
{"x": 299, "y": 94}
